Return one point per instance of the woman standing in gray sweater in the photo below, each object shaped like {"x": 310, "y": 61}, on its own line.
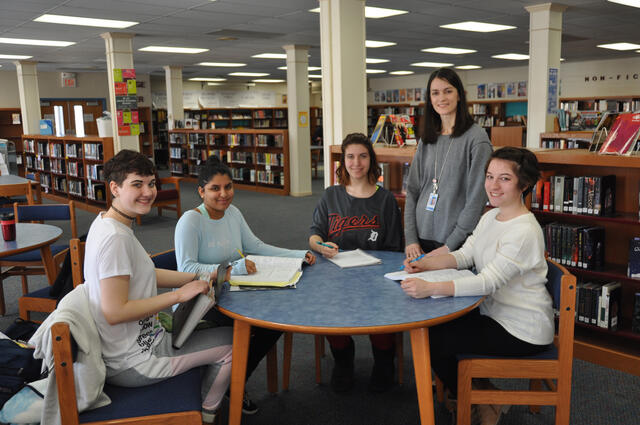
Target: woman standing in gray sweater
{"x": 445, "y": 193}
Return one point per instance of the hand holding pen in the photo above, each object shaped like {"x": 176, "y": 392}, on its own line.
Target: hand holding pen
{"x": 249, "y": 265}
{"x": 329, "y": 249}
{"x": 412, "y": 266}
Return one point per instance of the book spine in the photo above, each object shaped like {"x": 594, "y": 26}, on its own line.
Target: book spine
{"x": 574, "y": 206}
{"x": 552, "y": 193}
{"x": 580, "y": 195}
{"x": 568, "y": 195}
{"x": 597, "y": 195}
{"x": 585, "y": 194}
{"x": 558, "y": 194}
{"x": 581, "y": 299}
{"x": 595, "y": 302}
{"x": 590, "y": 195}
{"x": 615, "y": 293}
{"x": 546, "y": 190}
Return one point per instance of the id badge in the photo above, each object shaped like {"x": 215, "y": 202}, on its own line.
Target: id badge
{"x": 431, "y": 203}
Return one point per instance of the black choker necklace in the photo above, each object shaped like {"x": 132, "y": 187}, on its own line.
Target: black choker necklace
{"x": 121, "y": 213}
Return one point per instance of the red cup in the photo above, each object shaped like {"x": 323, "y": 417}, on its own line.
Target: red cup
{"x": 8, "y": 223}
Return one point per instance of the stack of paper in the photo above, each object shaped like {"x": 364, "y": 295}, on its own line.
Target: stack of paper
{"x": 355, "y": 258}
{"x": 443, "y": 275}
{"x": 271, "y": 271}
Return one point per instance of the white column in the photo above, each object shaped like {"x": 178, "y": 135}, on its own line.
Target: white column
{"x": 298, "y": 110}
{"x": 545, "y": 33}
{"x": 29, "y": 96}
{"x": 344, "y": 79}
{"x": 119, "y": 52}
{"x": 175, "y": 105}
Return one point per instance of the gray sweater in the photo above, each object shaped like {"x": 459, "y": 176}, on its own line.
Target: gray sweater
{"x": 461, "y": 195}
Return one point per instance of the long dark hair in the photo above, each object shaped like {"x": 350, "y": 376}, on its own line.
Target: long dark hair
{"x": 374, "y": 168}
{"x": 431, "y": 125}
{"x": 212, "y": 167}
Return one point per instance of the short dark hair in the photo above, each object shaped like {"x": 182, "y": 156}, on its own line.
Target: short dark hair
{"x": 212, "y": 167}
{"x": 431, "y": 124}
{"x": 526, "y": 165}
{"x": 374, "y": 169}
{"x": 126, "y": 162}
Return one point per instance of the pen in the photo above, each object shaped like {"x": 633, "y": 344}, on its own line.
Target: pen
{"x": 325, "y": 244}
{"x": 240, "y": 252}
{"x": 414, "y": 260}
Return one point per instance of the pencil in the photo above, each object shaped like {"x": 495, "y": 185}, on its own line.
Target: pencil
{"x": 240, "y": 252}
{"x": 325, "y": 244}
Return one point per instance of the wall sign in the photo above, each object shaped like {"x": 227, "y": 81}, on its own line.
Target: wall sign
{"x": 68, "y": 79}
{"x": 552, "y": 91}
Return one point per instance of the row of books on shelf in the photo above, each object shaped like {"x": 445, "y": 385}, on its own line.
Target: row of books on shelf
{"x": 575, "y": 245}
{"x": 590, "y": 195}
{"x": 598, "y": 304}
{"x": 231, "y": 140}
{"x": 600, "y": 105}
{"x": 258, "y": 176}
{"x": 60, "y": 150}
{"x": 568, "y": 143}
{"x": 485, "y": 120}
{"x": 96, "y": 191}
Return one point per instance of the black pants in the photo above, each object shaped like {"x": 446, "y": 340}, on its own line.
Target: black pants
{"x": 260, "y": 342}
{"x": 471, "y": 334}
{"x": 429, "y": 245}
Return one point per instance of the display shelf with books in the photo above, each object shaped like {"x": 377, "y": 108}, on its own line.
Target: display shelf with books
{"x": 583, "y": 113}
{"x": 566, "y": 140}
{"x": 145, "y": 139}
{"x": 258, "y": 158}
{"x": 413, "y": 111}
{"x": 160, "y": 137}
{"x": 616, "y": 349}
{"x": 70, "y": 168}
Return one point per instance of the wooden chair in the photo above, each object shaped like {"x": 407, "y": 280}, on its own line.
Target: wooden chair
{"x": 77, "y": 261}
{"x": 29, "y": 190}
{"x": 30, "y": 263}
{"x": 553, "y": 364}
{"x": 167, "y": 198}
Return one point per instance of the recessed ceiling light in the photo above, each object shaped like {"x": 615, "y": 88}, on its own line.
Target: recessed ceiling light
{"x": 207, "y": 79}
{"x": 448, "y": 50}
{"x": 315, "y": 76}
{"x": 271, "y": 56}
{"x": 468, "y": 67}
{"x": 619, "y": 46}
{"x": 632, "y": 3}
{"x": 512, "y": 56}
{"x": 29, "y": 42}
{"x": 169, "y": 49}
{"x": 311, "y": 68}
{"x": 222, "y": 64}
{"x": 373, "y": 60}
{"x": 374, "y": 12}
{"x": 376, "y": 44}
{"x": 15, "y": 57}
{"x": 401, "y": 72}
{"x": 375, "y": 71}
{"x": 432, "y": 64}
{"x": 562, "y": 59}
{"x": 268, "y": 80}
{"x": 249, "y": 74}
{"x": 214, "y": 84}
{"x": 477, "y": 26}
{"x": 87, "y": 22}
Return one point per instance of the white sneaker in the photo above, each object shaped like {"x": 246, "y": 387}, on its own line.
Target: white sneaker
{"x": 208, "y": 416}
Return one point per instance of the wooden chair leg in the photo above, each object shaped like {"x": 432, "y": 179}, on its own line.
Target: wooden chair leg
{"x": 535, "y": 385}
{"x": 272, "y": 369}
{"x": 439, "y": 390}
{"x": 319, "y": 344}
{"x": 286, "y": 359}
{"x": 25, "y": 284}
{"x": 464, "y": 393}
{"x": 400, "y": 356}
{"x": 178, "y": 208}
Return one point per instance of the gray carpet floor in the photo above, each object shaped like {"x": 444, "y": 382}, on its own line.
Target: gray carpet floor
{"x": 600, "y": 396}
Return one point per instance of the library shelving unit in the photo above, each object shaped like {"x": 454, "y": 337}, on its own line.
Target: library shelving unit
{"x": 487, "y": 113}
{"x": 315, "y": 119}
{"x": 566, "y": 140}
{"x": 234, "y": 118}
{"x": 258, "y": 158}
{"x": 413, "y": 111}
{"x": 70, "y": 168}
{"x": 12, "y": 132}
{"x": 160, "y": 137}
{"x": 615, "y": 349}
{"x": 145, "y": 139}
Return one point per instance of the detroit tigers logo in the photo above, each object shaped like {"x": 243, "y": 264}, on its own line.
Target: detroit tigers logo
{"x": 339, "y": 224}
{"x": 373, "y": 236}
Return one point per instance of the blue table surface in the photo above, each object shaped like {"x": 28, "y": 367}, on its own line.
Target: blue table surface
{"x": 30, "y": 234}
{"x": 328, "y": 296}
{"x": 12, "y": 179}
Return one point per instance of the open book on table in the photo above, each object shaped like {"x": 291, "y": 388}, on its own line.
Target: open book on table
{"x": 355, "y": 258}
{"x": 443, "y": 275}
{"x": 189, "y": 313}
{"x": 271, "y": 271}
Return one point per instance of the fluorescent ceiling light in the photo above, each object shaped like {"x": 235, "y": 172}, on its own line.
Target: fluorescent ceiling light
{"x": 374, "y": 12}
{"x": 632, "y": 3}
{"x": 207, "y": 79}
{"x": 372, "y": 60}
{"x": 15, "y": 57}
{"x": 432, "y": 64}
{"x": 87, "y": 22}
{"x": 268, "y": 80}
{"x": 468, "y": 67}
{"x": 375, "y": 44}
{"x": 222, "y": 64}
{"x": 512, "y": 56}
{"x": 169, "y": 49}
{"x": 401, "y": 72}
{"x": 315, "y": 76}
{"x": 448, "y": 50}
{"x": 214, "y": 84}
{"x": 29, "y": 42}
{"x": 249, "y": 74}
{"x": 619, "y": 46}
{"x": 477, "y": 26}
{"x": 311, "y": 68}
{"x": 375, "y": 71}
{"x": 271, "y": 56}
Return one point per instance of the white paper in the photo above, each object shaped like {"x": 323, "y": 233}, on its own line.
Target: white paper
{"x": 443, "y": 275}
{"x": 270, "y": 270}
{"x": 355, "y": 258}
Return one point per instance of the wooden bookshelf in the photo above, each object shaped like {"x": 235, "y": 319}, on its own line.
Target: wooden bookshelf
{"x": 160, "y": 137}
{"x": 414, "y": 111}
{"x": 258, "y": 158}
{"x": 238, "y": 118}
{"x": 12, "y": 132}
{"x": 145, "y": 139}
{"x": 70, "y": 168}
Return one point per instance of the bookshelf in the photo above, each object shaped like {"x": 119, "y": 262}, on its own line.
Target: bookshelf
{"x": 315, "y": 114}
{"x": 566, "y": 140}
{"x": 413, "y": 111}
{"x": 70, "y": 168}
{"x": 160, "y": 137}
{"x": 258, "y": 158}
{"x": 12, "y": 132}
{"x": 583, "y": 113}
{"x": 237, "y": 118}
{"x": 145, "y": 139}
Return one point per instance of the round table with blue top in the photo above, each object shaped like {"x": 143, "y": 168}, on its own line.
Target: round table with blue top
{"x": 329, "y": 300}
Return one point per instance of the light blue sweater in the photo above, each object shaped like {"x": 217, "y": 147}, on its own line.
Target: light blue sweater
{"x": 202, "y": 243}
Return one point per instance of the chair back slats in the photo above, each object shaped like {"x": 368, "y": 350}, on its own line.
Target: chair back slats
{"x": 61, "y": 342}
{"x": 44, "y": 212}
{"x": 77, "y": 261}
{"x": 18, "y": 189}
{"x": 165, "y": 260}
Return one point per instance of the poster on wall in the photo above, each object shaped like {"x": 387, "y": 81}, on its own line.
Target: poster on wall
{"x": 511, "y": 89}
{"x": 492, "y": 90}
{"x": 124, "y": 82}
{"x": 482, "y": 90}
{"x": 409, "y": 95}
{"x": 522, "y": 89}
{"x": 418, "y": 95}
{"x": 383, "y": 96}
{"x": 501, "y": 90}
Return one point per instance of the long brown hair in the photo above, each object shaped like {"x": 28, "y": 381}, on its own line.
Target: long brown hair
{"x": 374, "y": 169}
